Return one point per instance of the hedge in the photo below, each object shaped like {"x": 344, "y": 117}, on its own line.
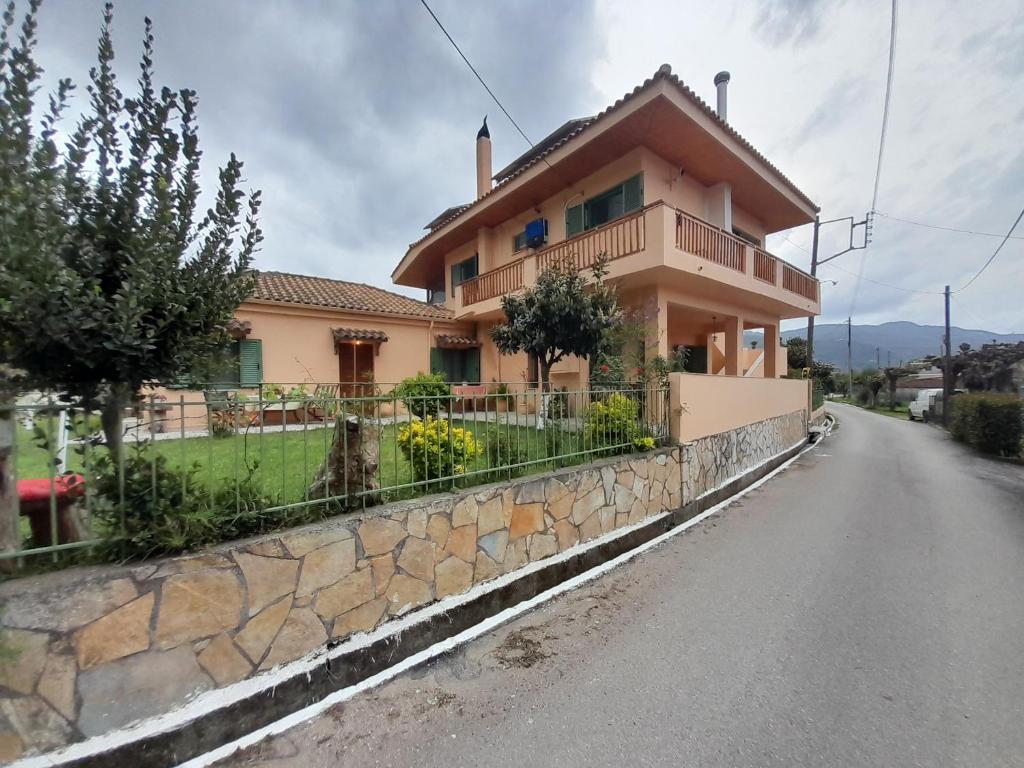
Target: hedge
{"x": 992, "y": 423}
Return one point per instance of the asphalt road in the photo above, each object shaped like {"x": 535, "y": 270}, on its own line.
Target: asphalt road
{"x": 863, "y": 608}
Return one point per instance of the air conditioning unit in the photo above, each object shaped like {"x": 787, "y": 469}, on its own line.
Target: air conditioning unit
{"x": 536, "y": 233}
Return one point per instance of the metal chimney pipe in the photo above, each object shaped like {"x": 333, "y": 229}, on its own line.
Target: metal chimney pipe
{"x": 483, "y": 160}
{"x": 722, "y": 83}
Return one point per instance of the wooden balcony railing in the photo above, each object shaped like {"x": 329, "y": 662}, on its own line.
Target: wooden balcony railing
{"x": 764, "y": 266}
{"x": 497, "y": 282}
{"x": 711, "y": 243}
{"x": 616, "y": 239}
{"x": 799, "y": 282}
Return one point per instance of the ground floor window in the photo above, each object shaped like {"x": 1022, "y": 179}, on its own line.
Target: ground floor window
{"x": 456, "y": 365}
{"x": 695, "y": 359}
{"x": 240, "y": 364}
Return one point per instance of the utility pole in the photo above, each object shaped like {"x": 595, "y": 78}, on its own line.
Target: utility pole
{"x": 818, "y": 224}
{"x": 814, "y": 272}
{"x": 878, "y": 357}
{"x": 888, "y": 363}
{"x": 947, "y": 373}
{"x": 849, "y": 351}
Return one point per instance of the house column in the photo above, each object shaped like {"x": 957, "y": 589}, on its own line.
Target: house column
{"x": 657, "y": 327}
{"x": 771, "y": 351}
{"x": 733, "y": 346}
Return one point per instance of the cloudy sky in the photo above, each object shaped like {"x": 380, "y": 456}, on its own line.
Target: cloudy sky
{"x": 357, "y": 120}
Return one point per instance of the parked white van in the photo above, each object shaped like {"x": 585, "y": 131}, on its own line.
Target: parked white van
{"x": 921, "y": 408}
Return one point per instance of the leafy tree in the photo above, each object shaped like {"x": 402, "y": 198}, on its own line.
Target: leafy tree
{"x": 989, "y": 369}
{"x": 872, "y": 381}
{"x": 892, "y": 376}
{"x": 796, "y": 353}
{"x": 561, "y": 315}
{"x": 109, "y": 279}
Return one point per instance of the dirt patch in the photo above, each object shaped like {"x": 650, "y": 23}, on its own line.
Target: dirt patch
{"x": 520, "y": 651}
{"x": 442, "y": 698}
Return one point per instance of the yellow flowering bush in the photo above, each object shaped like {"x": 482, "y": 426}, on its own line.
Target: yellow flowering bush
{"x": 436, "y": 449}
{"x": 615, "y": 422}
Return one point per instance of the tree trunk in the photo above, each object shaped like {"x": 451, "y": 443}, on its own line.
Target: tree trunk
{"x": 545, "y": 390}
{"x": 892, "y": 394}
{"x": 10, "y": 536}
{"x": 350, "y": 468}
{"x": 112, "y": 420}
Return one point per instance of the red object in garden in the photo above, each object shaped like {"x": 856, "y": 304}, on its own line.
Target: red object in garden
{"x": 34, "y": 501}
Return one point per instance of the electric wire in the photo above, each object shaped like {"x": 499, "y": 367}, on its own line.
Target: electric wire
{"x": 995, "y": 253}
{"x": 946, "y": 229}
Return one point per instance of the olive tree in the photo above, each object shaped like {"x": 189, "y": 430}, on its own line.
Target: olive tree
{"x": 110, "y": 279}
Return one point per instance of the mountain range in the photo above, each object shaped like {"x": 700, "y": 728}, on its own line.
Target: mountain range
{"x": 879, "y": 344}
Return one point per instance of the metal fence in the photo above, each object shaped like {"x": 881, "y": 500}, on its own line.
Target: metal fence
{"x": 225, "y": 464}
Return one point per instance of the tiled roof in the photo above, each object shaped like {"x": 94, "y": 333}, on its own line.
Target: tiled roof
{"x": 339, "y": 294}
{"x": 556, "y": 140}
{"x": 446, "y": 214}
{"x": 446, "y": 340}
{"x": 358, "y": 334}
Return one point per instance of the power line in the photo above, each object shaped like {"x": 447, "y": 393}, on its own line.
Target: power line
{"x": 884, "y": 285}
{"x": 946, "y": 229}
{"x": 473, "y": 70}
{"x": 995, "y": 253}
{"x": 881, "y": 140}
{"x": 786, "y": 238}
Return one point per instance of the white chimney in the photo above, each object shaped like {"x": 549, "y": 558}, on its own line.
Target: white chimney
{"x": 483, "y": 160}
{"x": 722, "y": 83}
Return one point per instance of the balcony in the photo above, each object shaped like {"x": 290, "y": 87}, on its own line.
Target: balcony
{"x": 656, "y": 236}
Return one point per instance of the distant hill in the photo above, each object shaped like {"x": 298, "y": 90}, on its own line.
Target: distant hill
{"x": 902, "y": 340}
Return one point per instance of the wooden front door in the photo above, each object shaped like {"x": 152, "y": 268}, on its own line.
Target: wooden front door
{"x": 355, "y": 368}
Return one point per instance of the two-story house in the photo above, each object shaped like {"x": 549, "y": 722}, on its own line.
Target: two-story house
{"x": 662, "y": 185}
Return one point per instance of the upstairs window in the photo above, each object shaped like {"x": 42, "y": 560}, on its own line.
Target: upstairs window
{"x": 465, "y": 270}
{"x": 436, "y": 293}
{"x": 607, "y": 206}
{"x": 519, "y": 241}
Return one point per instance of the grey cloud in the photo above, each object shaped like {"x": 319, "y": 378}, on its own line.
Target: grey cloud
{"x": 791, "y": 21}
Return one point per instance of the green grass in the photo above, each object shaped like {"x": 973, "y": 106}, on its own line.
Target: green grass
{"x": 285, "y": 463}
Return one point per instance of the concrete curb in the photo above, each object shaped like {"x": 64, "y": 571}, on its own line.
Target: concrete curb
{"x": 236, "y": 719}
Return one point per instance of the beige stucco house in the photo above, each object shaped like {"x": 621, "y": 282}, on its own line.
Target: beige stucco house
{"x": 659, "y": 182}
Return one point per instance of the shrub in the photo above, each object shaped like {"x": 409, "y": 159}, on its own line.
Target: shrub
{"x": 615, "y": 422}
{"x": 424, "y": 394}
{"x": 435, "y": 449}
{"x": 502, "y": 451}
{"x": 558, "y": 404}
{"x": 991, "y": 423}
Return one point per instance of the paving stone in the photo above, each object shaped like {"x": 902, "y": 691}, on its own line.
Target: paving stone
{"x": 465, "y": 512}
{"x": 302, "y": 632}
{"x": 526, "y": 519}
{"x": 68, "y": 607}
{"x": 256, "y": 636}
{"x": 301, "y": 542}
{"x": 157, "y": 682}
{"x": 39, "y": 728}
{"x": 120, "y": 633}
{"x": 542, "y": 545}
{"x": 266, "y": 579}
{"x": 353, "y": 590}
{"x": 567, "y": 534}
{"x": 625, "y": 477}
{"x": 224, "y": 662}
{"x": 516, "y": 556}
{"x": 624, "y": 497}
{"x": 561, "y": 506}
{"x": 495, "y": 514}
{"x": 531, "y": 492}
{"x": 195, "y": 605}
{"x": 607, "y": 516}
{"x": 462, "y": 542}
{"x": 590, "y": 528}
{"x": 268, "y": 548}
{"x": 383, "y": 567}
{"x": 587, "y": 505}
{"x": 608, "y": 483}
{"x": 485, "y": 568}
{"x": 416, "y": 525}
{"x": 379, "y": 535}
{"x": 57, "y": 684}
{"x": 11, "y": 746}
{"x": 24, "y": 660}
{"x": 361, "y": 619}
{"x": 453, "y": 576}
{"x": 437, "y": 529}
{"x": 179, "y": 565}
{"x": 326, "y": 565}
{"x": 405, "y": 593}
{"x": 417, "y": 559}
{"x": 494, "y": 544}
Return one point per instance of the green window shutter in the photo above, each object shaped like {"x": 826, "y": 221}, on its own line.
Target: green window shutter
{"x": 633, "y": 192}
{"x": 437, "y": 361}
{"x": 473, "y": 366}
{"x": 574, "y": 220}
{"x": 250, "y": 362}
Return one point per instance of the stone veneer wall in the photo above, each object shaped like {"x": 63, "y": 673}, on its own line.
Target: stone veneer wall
{"x": 713, "y": 460}
{"x": 94, "y": 649}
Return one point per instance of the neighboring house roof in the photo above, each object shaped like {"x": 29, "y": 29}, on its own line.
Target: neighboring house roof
{"x": 574, "y": 128}
{"x": 339, "y": 294}
{"x": 454, "y": 341}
